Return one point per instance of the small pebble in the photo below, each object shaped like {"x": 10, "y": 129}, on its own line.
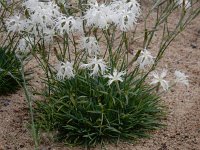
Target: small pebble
{"x": 21, "y": 145}
{"x": 193, "y": 45}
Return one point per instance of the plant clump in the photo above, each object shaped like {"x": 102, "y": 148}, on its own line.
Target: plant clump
{"x": 99, "y": 85}
{"x": 10, "y": 76}
{"x": 87, "y": 110}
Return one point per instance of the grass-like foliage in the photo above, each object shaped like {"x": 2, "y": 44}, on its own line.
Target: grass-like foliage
{"x": 10, "y": 77}
{"x": 86, "y": 111}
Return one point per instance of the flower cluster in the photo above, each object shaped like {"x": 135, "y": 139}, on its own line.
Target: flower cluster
{"x": 45, "y": 20}
{"x": 159, "y": 79}
{"x": 68, "y": 25}
{"x": 123, "y": 14}
{"x": 40, "y": 21}
{"x": 96, "y": 65}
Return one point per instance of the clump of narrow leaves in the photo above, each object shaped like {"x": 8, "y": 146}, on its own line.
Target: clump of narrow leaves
{"x": 10, "y": 76}
{"x": 87, "y": 111}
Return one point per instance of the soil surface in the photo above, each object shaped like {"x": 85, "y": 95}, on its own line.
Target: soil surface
{"x": 183, "y": 107}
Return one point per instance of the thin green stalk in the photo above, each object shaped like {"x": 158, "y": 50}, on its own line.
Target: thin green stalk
{"x": 29, "y": 100}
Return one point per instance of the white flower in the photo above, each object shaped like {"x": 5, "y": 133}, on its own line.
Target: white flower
{"x": 43, "y": 14}
{"x": 95, "y": 65}
{"x": 24, "y": 45}
{"x": 187, "y": 3}
{"x": 181, "y": 78}
{"x": 126, "y": 14}
{"x": 92, "y": 2}
{"x": 46, "y": 9}
{"x": 48, "y": 35}
{"x": 159, "y": 79}
{"x": 145, "y": 59}
{"x": 98, "y": 16}
{"x": 15, "y": 24}
{"x": 116, "y": 76}
{"x": 41, "y": 21}
{"x": 126, "y": 20}
{"x": 69, "y": 25}
{"x": 65, "y": 70}
{"x": 90, "y": 44}
{"x": 37, "y": 19}
{"x": 31, "y": 4}
{"x": 42, "y": 18}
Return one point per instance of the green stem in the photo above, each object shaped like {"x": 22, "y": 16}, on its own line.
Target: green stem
{"x": 29, "y": 100}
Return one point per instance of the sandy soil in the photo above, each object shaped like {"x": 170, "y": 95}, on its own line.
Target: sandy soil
{"x": 183, "y": 107}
